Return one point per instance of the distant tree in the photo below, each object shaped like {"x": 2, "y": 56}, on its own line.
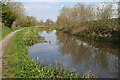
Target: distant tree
{"x": 22, "y": 21}
{"x": 32, "y": 21}
{"x": 41, "y": 23}
{"x": 49, "y": 22}
{"x": 29, "y": 21}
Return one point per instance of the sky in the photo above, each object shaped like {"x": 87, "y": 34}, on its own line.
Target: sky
{"x": 44, "y": 9}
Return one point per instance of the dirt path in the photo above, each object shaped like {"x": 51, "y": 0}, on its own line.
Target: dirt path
{"x": 3, "y": 45}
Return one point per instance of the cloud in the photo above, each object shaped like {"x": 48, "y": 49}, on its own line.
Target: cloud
{"x": 62, "y": 6}
{"x": 40, "y": 7}
{"x": 42, "y": 10}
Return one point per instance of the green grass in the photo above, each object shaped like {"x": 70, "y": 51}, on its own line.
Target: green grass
{"x": 5, "y": 31}
{"x": 17, "y": 63}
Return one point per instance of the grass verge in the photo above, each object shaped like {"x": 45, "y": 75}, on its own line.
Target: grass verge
{"x": 5, "y": 31}
{"x": 17, "y": 63}
{"x": 91, "y": 37}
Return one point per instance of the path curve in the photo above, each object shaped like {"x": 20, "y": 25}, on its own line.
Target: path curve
{"x": 3, "y": 45}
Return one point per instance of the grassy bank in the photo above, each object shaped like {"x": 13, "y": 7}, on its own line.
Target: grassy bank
{"x": 17, "y": 63}
{"x": 96, "y": 37}
{"x": 5, "y": 31}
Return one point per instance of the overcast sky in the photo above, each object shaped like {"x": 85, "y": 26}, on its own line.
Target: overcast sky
{"x": 44, "y": 9}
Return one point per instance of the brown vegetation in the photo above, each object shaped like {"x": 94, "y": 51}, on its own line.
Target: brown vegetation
{"x": 89, "y": 20}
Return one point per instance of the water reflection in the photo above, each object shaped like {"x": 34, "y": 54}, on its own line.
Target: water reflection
{"x": 82, "y": 56}
{"x": 92, "y": 58}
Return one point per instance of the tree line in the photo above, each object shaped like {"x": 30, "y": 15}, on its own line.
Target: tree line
{"x": 88, "y": 19}
{"x": 13, "y": 14}
{"x": 47, "y": 23}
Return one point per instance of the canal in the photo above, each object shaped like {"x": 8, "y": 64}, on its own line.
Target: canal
{"x": 76, "y": 54}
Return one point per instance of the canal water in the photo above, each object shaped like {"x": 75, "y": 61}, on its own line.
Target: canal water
{"x": 77, "y": 54}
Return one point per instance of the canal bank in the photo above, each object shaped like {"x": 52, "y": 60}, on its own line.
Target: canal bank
{"x": 113, "y": 39}
{"x": 80, "y": 54}
{"x": 58, "y": 49}
{"x": 17, "y": 63}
